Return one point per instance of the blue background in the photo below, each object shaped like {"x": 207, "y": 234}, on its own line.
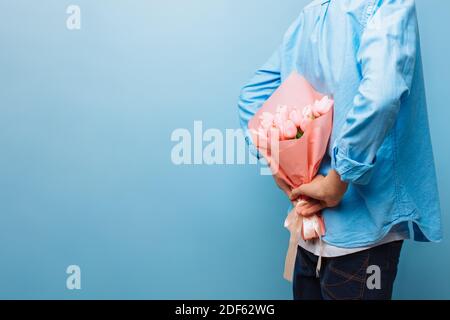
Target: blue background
{"x": 86, "y": 176}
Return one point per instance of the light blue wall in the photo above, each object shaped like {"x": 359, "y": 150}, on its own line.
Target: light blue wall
{"x": 85, "y": 171}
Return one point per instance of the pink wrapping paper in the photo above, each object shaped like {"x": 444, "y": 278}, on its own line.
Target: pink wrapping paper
{"x": 297, "y": 161}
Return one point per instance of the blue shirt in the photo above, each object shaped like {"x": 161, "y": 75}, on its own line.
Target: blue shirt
{"x": 366, "y": 54}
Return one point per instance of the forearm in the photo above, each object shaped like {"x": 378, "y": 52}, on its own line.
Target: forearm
{"x": 265, "y": 81}
{"x": 387, "y": 58}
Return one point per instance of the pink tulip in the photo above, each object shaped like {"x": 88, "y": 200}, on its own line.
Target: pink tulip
{"x": 263, "y": 133}
{"x": 260, "y": 135}
{"x": 267, "y": 116}
{"x": 274, "y": 133}
{"x": 281, "y": 116}
{"x": 321, "y": 107}
{"x": 307, "y": 112}
{"x": 295, "y": 117}
{"x": 283, "y": 112}
{"x": 305, "y": 123}
{"x": 307, "y": 118}
{"x": 289, "y": 130}
{"x": 278, "y": 121}
{"x": 267, "y": 120}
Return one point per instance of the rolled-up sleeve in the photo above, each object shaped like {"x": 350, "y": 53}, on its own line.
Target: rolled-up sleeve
{"x": 386, "y": 55}
{"x": 265, "y": 81}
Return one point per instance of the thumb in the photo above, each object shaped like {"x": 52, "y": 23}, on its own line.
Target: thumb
{"x": 303, "y": 190}
{"x": 311, "y": 189}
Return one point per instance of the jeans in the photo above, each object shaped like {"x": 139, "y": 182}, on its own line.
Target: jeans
{"x": 365, "y": 275}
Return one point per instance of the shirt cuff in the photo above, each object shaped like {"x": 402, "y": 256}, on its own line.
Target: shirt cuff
{"x": 351, "y": 171}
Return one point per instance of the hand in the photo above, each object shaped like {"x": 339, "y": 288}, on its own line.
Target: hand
{"x": 328, "y": 191}
{"x": 307, "y": 208}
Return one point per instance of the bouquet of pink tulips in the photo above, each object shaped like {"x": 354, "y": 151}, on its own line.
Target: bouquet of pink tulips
{"x": 290, "y": 122}
{"x": 291, "y": 131}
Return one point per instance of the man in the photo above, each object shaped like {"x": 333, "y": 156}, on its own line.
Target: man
{"x": 378, "y": 176}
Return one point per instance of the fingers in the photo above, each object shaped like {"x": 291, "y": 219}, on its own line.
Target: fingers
{"x": 309, "y": 207}
{"x": 311, "y": 210}
{"x": 297, "y": 193}
{"x": 311, "y": 190}
{"x": 301, "y": 204}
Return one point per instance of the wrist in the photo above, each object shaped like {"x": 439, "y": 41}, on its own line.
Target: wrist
{"x": 337, "y": 183}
